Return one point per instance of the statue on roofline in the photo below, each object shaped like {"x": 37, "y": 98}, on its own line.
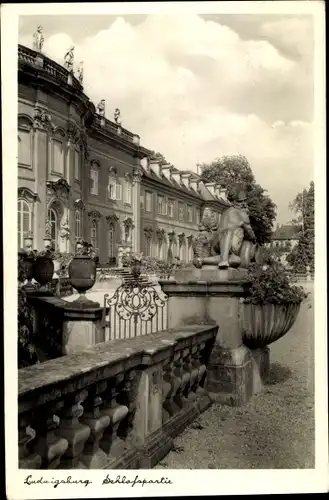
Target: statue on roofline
{"x": 69, "y": 59}
{"x": 38, "y": 39}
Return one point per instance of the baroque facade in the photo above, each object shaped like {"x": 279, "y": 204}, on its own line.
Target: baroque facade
{"x": 81, "y": 175}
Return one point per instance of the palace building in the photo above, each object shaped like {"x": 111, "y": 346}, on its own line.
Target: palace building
{"x": 81, "y": 175}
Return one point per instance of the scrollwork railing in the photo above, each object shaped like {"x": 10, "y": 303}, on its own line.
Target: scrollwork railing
{"x": 135, "y": 309}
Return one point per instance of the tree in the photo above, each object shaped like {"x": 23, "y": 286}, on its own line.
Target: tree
{"x": 234, "y": 173}
{"x": 159, "y": 157}
{"x": 302, "y": 254}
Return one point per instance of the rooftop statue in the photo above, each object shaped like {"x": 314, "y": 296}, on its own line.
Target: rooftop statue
{"x": 38, "y": 39}
{"x": 229, "y": 243}
{"x": 101, "y": 107}
{"x": 80, "y": 72}
{"x": 117, "y": 116}
{"x": 69, "y": 59}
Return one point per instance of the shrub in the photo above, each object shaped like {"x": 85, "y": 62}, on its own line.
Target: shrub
{"x": 270, "y": 284}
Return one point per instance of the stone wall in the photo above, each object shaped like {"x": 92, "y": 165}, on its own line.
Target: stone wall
{"x": 116, "y": 405}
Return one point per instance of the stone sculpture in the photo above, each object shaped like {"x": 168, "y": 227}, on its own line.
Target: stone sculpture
{"x": 117, "y": 116}
{"x": 65, "y": 229}
{"x": 101, "y": 107}
{"x": 231, "y": 243}
{"x": 69, "y": 59}
{"x": 38, "y": 39}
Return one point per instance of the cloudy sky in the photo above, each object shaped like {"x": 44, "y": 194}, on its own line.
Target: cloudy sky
{"x": 195, "y": 87}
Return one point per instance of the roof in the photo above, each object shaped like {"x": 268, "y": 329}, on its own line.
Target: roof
{"x": 286, "y": 232}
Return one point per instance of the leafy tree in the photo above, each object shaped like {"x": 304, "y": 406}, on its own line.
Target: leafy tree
{"x": 158, "y": 156}
{"x": 302, "y": 254}
{"x": 234, "y": 173}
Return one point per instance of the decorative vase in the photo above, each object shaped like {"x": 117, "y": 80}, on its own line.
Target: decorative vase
{"x": 263, "y": 324}
{"x": 82, "y": 273}
{"x": 43, "y": 270}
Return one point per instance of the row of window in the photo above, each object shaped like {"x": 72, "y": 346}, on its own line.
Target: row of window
{"x": 165, "y": 207}
{"x": 57, "y": 153}
{"x": 116, "y": 190}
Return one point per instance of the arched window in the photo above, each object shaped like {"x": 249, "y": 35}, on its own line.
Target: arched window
{"x": 93, "y": 233}
{"x": 148, "y": 246}
{"x": 77, "y": 224}
{"x": 24, "y": 221}
{"x": 53, "y": 223}
{"x": 111, "y": 241}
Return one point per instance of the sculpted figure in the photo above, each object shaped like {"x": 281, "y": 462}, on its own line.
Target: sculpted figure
{"x": 69, "y": 59}
{"x": 231, "y": 243}
{"x": 101, "y": 107}
{"x": 117, "y": 116}
{"x": 80, "y": 72}
{"x": 234, "y": 230}
{"x": 65, "y": 229}
{"x": 38, "y": 39}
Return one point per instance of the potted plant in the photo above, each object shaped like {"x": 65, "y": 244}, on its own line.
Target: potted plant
{"x": 82, "y": 268}
{"x": 43, "y": 266}
{"x": 272, "y": 305}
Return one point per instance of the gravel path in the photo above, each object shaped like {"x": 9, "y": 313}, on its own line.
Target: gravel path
{"x": 275, "y": 429}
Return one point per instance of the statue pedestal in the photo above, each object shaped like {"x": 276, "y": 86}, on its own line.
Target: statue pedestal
{"x": 234, "y": 372}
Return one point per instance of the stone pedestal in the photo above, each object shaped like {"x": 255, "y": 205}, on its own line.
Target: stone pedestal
{"x": 234, "y": 372}
{"x": 82, "y": 328}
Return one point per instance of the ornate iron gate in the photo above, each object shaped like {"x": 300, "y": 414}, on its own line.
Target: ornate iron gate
{"x": 136, "y": 308}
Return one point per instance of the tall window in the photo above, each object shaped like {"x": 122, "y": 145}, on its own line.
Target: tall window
{"x": 148, "y": 201}
{"x": 180, "y": 211}
{"x": 111, "y": 188}
{"x": 58, "y": 156}
{"x": 53, "y": 220}
{"x": 111, "y": 241}
{"x": 93, "y": 233}
{"x": 77, "y": 224}
{"x": 25, "y": 139}
{"x": 127, "y": 192}
{"x": 24, "y": 148}
{"x": 162, "y": 206}
{"x": 189, "y": 213}
{"x": 197, "y": 215}
{"x": 148, "y": 246}
{"x": 94, "y": 181}
{"x": 24, "y": 221}
{"x": 170, "y": 208}
{"x": 160, "y": 248}
{"x": 77, "y": 164}
{"x": 182, "y": 250}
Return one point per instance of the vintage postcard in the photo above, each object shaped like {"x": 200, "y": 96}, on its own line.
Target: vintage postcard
{"x": 166, "y": 334}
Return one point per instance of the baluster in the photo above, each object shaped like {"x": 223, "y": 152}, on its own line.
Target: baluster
{"x": 166, "y": 389}
{"x": 93, "y": 456}
{"x": 48, "y": 444}
{"x": 202, "y": 370}
{"x": 195, "y": 373}
{"x": 170, "y": 404}
{"x": 111, "y": 443}
{"x": 71, "y": 429}
{"x": 186, "y": 375}
{"x": 179, "y": 373}
{"x": 128, "y": 397}
{"x": 27, "y": 459}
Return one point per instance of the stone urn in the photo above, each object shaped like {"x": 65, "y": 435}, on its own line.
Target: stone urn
{"x": 43, "y": 269}
{"x": 82, "y": 273}
{"x": 263, "y": 324}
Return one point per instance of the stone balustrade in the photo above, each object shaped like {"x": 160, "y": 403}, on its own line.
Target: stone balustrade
{"x": 115, "y": 405}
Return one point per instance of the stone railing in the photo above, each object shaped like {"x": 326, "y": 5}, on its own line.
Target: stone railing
{"x": 114, "y": 128}
{"x": 43, "y": 62}
{"x": 113, "y": 406}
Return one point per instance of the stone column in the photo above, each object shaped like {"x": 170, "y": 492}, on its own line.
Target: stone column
{"x": 136, "y": 189}
{"x": 41, "y": 159}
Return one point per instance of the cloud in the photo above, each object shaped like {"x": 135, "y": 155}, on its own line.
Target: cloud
{"x": 193, "y": 89}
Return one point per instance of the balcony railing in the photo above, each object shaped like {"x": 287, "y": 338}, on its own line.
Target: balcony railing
{"x": 42, "y": 62}
{"x": 115, "y": 129}
{"x": 116, "y": 405}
